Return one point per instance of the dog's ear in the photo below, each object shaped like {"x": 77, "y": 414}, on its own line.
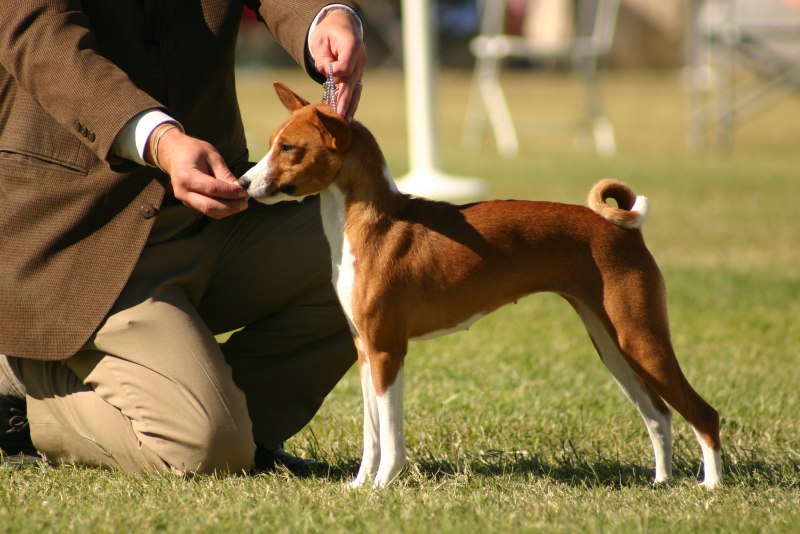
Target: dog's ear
{"x": 336, "y": 133}
{"x": 290, "y": 100}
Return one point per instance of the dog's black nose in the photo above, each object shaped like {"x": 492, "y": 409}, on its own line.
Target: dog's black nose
{"x": 244, "y": 181}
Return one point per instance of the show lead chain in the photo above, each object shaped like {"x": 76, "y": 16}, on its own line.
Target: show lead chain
{"x": 329, "y": 92}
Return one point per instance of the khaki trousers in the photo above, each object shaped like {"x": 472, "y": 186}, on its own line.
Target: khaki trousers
{"x": 153, "y": 390}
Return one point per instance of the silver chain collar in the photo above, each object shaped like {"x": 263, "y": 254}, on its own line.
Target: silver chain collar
{"x": 329, "y": 90}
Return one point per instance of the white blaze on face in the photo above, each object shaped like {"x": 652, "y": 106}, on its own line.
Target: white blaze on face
{"x": 258, "y": 178}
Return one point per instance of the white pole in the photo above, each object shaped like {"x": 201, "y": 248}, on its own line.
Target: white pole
{"x": 424, "y": 177}
{"x": 417, "y": 51}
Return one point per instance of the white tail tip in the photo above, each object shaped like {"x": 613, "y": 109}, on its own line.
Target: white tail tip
{"x": 631, "y": 210}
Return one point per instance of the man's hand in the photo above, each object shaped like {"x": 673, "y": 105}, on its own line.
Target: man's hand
{"x": 337, "y": 39}
{"x": 200, "y": 179}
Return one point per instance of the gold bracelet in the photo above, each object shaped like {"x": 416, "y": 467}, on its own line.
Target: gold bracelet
{"x": 152, "y": 141}
{"x": 159, "y": 133}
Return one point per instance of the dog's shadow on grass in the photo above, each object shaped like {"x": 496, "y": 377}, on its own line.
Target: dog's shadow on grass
{"x": 585, "y": 474}
{"x": 500, "y": 464}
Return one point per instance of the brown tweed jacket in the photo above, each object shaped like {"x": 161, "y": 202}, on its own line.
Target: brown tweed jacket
{"x": 73, "y": 217}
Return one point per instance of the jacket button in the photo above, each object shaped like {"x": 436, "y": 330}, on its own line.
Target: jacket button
{"x": 91, "y": 137}
{"x": 148, "y": 211}
{"x": 78, "y": 126}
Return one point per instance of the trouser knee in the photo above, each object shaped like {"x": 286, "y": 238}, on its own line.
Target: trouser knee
{"x": 220, "y": 449}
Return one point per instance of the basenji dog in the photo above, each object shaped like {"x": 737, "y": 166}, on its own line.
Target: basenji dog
{"x": 409, "y": 268}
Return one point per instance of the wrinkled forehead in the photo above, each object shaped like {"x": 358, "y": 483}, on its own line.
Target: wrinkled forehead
{"x": 302, "y": 123}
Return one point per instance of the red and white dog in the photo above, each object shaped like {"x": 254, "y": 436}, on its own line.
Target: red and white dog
{"x": 410, "y": 268}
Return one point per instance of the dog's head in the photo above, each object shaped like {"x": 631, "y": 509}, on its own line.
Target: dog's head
{"x": 305, "y": 154}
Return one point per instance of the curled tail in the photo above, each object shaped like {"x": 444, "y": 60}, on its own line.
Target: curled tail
{"x": 631, "y": 211}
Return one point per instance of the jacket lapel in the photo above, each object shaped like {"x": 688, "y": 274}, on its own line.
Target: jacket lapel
{"x": 158, "y": 14}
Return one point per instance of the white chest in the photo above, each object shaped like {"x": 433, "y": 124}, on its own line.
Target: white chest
{"x": 343, "y": 275}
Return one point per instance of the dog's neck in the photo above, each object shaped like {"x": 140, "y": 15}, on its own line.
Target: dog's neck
{"x": 363, "y": 189}
{"x": 352, "y": 206}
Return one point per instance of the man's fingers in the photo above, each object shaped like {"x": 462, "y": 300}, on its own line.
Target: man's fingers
{"x": 352, "y": 105}
{"x": 220, "y": 170}
{"x": 196, "y": 181}
{"x": 214, "y": 207}
{"x": 348, "y": 82}
{"x": 348, "y": 99}
{"x": 345, "y": 63}
{"x": 199, "y": 176}
{"x": 337, "y": 45}
{"x": 211, "y": 196}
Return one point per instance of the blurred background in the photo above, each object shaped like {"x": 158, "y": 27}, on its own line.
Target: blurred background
{"x": 655, "y": 26}
{"x": 542, "y": 69}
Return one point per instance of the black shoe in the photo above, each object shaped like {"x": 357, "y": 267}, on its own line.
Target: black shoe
{"x": 15, "y": 434}
{"x": 271, "y": 460}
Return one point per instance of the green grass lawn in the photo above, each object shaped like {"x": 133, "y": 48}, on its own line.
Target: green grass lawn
{"x": 515, "y": 425}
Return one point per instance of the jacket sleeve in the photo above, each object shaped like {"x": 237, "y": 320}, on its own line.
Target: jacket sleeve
{"x": 48, "y": 48}
{"x": 289, "y": 23}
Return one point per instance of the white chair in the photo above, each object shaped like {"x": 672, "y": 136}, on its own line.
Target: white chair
{"x": 742, "y": 56}
{"x": 589, "y": 35}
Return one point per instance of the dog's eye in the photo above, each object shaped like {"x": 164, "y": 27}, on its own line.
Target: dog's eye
{"x": 287, "y": 148}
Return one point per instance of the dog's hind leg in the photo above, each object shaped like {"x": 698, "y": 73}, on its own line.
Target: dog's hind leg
{"x": 664, "y": 375}
{"x": 656, "y": 415}
{"x": 658, "y": 367}
{"x": 634, "y": 317}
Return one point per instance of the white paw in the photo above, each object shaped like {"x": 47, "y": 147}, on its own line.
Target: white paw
{"x": 711, "y": 483}
{"x": 387, "y": 473}
{"x": 661, "y": 479}
{"x": 357, "y": 482}
{"x": 661, "y": 482}
{"x": 365, "y": 474}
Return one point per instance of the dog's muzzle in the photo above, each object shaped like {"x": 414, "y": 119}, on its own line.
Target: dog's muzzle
{"x": 244, "y": 181}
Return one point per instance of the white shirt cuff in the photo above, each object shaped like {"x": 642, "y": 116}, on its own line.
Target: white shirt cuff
{"x": 132, "y": 139}
{"x": 321, "y": 15}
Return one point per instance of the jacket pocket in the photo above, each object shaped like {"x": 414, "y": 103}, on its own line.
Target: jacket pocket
{"x": 33, "y": 160}
{"x": 37, "y": 139}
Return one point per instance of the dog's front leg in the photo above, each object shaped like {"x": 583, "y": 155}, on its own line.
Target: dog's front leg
{"x": 372, "y": 452}
{"x": 389, "y": 396}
